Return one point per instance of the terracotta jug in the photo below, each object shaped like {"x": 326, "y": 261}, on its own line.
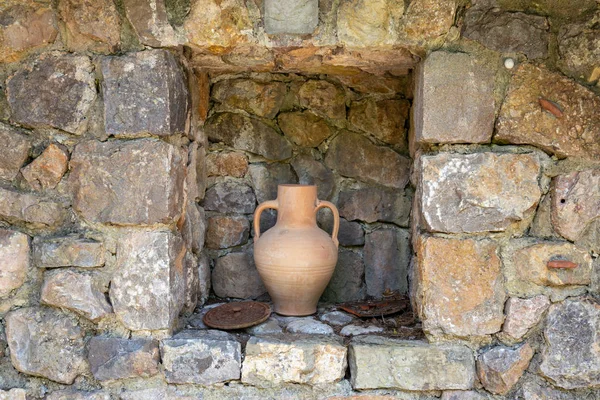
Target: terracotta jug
{"x": 295, "y": 258}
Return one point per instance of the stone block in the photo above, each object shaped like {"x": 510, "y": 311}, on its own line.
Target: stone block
{"x": 266, "y": 178}
{"x": 460, "y": 287}
{"x": 579, "y": 56}
{"x": 150, "y": 22}
{"x": 376, "y": 204}
{"x": 501, "y": 367}
{"x": 35, "y": 211}
{"x": 308, "y": 326}
{"x": 356, "y": 330}
{"x": 304, "y": 128}
{"x": 115, "y": 358}
{"x": 337, "y": 318}
{"x": 68, "y": 251}
{"x": 382, "y": 363}
{"x": 227, "y": 231}
{"x": 272, "y": 361}
{"x": 540, "y": 389}
{"x": 13, "y": 394}
{"x": 462, "y": 395}
{"x": 262, "y": 99}
{"x": 230, "y": 197}
{"x": 296, "y": 17}
{"x": 363, "y": 23}
{"x": 346, "y": 284}
{"x": 567, "y": 124}
{"x": 350, "y": 233}
{"x": 523, "y": 314}
{"x": 313, "y": 172}
{"x": 147, "y": 290}
{"x": 144, "y": 93}
{"x": 226, "y": 164}
{"x": 384, "y": 119}
{"x": 427, "y": 20}
{"x": 219, "y": 24}
{"x": 58, "y": 341}
{"x": 194, "y": 227}
{"x": 323, "y": 98}
{"x": 387, "y": 257}
{"x": 203, "y": 358}
{"x": 204, "y": 282}
{"x": 235, "y": 275}
{"x": 443, "y": 116}
{"x": 78, "y": 395}
{"x": 14, "y": 153}
{"x": 14, "y": 259}
{"x": 46, "y": 171}
{"x": 138, "y": 182}
{"x": 354, "y": 156}
{"x": 75, "y": 291}
{"x": 192, "y": 283}
{"x": 469, "y": 193}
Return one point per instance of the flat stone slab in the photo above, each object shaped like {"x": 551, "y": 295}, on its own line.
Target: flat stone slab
{"x": 116, "y": 358}
{"x": 14, "y": 258}
{"x": 309, "y": 326}
{"x": 14, "y": 153}
{"x": 291, "y": 16}
{"x": 68, "y": 251}
{"x": 36, "y": 211}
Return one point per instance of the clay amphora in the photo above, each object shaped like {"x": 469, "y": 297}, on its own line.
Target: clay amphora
{"x": 295, "y": 258}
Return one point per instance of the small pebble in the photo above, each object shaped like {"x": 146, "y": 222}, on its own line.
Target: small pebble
{"x": 268, "y": 327}
{"x": 309, "y": 326}
{"x": 509, "y": 63}
{"x": 354, "y": 330}
{"x": 337, "y": 318}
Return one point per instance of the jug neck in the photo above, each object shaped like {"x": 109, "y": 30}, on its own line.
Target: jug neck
{"x": 297, "y": 205}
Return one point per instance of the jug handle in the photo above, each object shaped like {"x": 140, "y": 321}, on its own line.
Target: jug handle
{"x": 336, "y": 218}
{"x": 267, "y": 204}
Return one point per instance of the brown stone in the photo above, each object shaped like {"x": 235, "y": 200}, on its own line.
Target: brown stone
{"x": 500, "y": 368}
{"x": 226, "y": 164}
{"x": 384, "y": 119}
{"x": 150, "y": 21}
{"x": 523, "y": 314}
{"x": 251, "y": 56}
{"x": 368, "y": 83}
{"x": 323, "y": 98}
{"x": 115, "y": 358}
{"x": 14, "y": 259}
{"x": 262, "y": 99}
{"x": 230, "y": 197}
{"x": 375, "y": 204}
{"x": 522, "y": 120}
{"x": 459, "y": 286}
{"x": 216, "y": 23}
{"x": 236, "y": 276}
{"x": 554, "y": 8}
{"x": 203, "y": 95}
{"x": 266, "y": 178}
{"x": 427, "y": 20}
{"x": 313, "y": 172}
{"x": 46, "y": 171}
{"x": 33, "y": 210}
{"x": 227, "y": 231}
{"x": 387, "y": 257}
{"x": 14, "y": 152}
{"x": 364, "y": 23}
{"x": 579, "y": 56}
{"x": 68, "y": 251}
{"x": 304, "y": 128}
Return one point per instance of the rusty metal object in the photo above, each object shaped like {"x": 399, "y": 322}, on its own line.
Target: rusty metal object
{"x": 375, "y": 308}
{"x": 237, "y": 315}
{"x": 561, "y": 264}
{"x": 551, "y": 107}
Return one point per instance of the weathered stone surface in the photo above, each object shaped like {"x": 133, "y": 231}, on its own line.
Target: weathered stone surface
{"x": 573, "y": 132}
{"x": 354, "y": 156}
{"x": 266, "y": 178}
{"x": 387, "y": 256}
{"x": 375, "y": 204}
{"x": 235, "y": 275}
{"x": 369, "y": 83}
{"x": 350, "y": 233}
{"x": 554, "y": 8}
{"x": 571, "y": 357}
{"x": 523, "y": 314}
{"x": 69, "y": 92}
{"x": 147, "y": 290}
{"x": 226, "y": 164}
{"x": 262, "y": 99}
{"x": 14, "y": 259}
{"x": 346, "y": 284}
{"x": 76, "y": 395}
{"x": 230, "y": 197}
{"x": 270, "y": 326}
{"x": 192, "y": 283}
{"x": 56, "y": 338}
{"x": 384, "y": 119}
{"x": 299, "y": 17}
{"x": 541, "y": 226}
{"x": 462, "y": 395}
{"x": 440, "y": 116}
{"x": 194, "y": 227}
{"x": 271, "y": 361}
{"x": 33, "y": 210}
{"x": 202, "y": 358}
{"x": 115, "y": 358}
{"x": 215, "y": 23}
{"x": 304, "y": 128}
{"x": 337, "y": 318}
{"x": 13, "y": 394}
{"x": 68, "y": 251}
{"x": 575, "y": 202}
{"x": 579, "y": 52}
{"x": 409, "y": 365}
{"x": 540, "y": 389}
{"x": 204, "y": 282}
{"x": 323, "y": 98}
{"x": 46, "y": 171}
{"x": 459, "y": 286}
{"x": 249, "y": 134}
{"x": 427, "y": 20}
{"x": 144, "y": 93}
{"x": 500, "y": 367}
{"x": 363, "y": 23}
{"x": 93, "y": 25}
{"x": 75, "y": 291}
{"x": 355, "y": 330}
{"x": 478, "y": 192}
{"x": 308, "y": 326}
{"x": 150, "y": 21}
{"x": 313, "y": 172}
{"x": 138, "y": 182}
{"x": 227, "y": 231}
{"x": 14, "y": 153}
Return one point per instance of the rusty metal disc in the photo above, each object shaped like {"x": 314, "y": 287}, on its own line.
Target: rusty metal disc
{"x": 373, "y": 308}
{"x": 237, "y": 315}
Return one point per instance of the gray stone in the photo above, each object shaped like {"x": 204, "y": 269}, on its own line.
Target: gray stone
{"x": 556, "y": 9}
{"x": 249, "y": 134}
{"x": 354, "y": 156}
{"x": 309, "y": 326}
{"x": 376, "y": 204}
{"x": 46, "y": 171}
{"x": 137, "y": 182}
{"x": 14, "y": 153}
{"x": 76, "y": 395}
{"x": 115, "y": 358}
{"x": 269, "y": 327}
{"x": 226, "y": 164}
{"x": 266, "y": 178}
{"x": 304, "y": 128}
{"x": 57, "y": 339}
{"x": 230, "y": 197}
{"x": 478, "y": 192}
{"x": 35, "y": 211}
{"x": 272, "y": 361}
{"x": 202, "y": 358}
{"x": 203, "y": 277}
{"x": 69, "y": 92}
{"x": 192, "y": 283}
{"x": 262, "y": 99}
{"x": 350, "y": 233}
{"x": 355, "y": 330}
{"x": 346, "y": 284}
{"x": 337, "y": 318}
{"x": 409, "y": 365}
{"x": 523, "y": 314}
{"x": 443, "y": 116}
{"x": 323, "y": 98}
{"x": 13, "y": 394}
{"x": 68, "y": 251}
{"x": 14, "y": 259}
{"x": 541, "y": 226}
{"x": 194, "y": 227}
{"x": 313, "y": 172}
{"x": 227, "y": 231}
{"x": 501, "y": 367}
{"x": 462, "y": 395}
{"x": 387, "y": 257}
{"x": 540, "y": 389}
{"x": 384, "y": 119}
{"x": 299, "y": 17}
{"x": 150, "y": 21}
{"x": 145, "y": 93}
{"x": 235, "y": 275}
{"x": 363, "y": 23}
{"x": 75, "y": 291}
{"x": 579, "y": 54}
{"x": 147, "y": 290}
{"x": 571, "y": 356}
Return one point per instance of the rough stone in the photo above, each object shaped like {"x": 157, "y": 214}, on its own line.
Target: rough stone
{"x": 459, "y": 286}
{"x": 150, "y": 22}
{"x": 375, "y": 204}
{"x": 297, "y": 17}
{"x": 387, "y": 257}
{"x": 337, "y": 318}
{"x": 500, "y": 367}
{"x": 578, "y": 50}
{"x": 249, "y": 134}
{"x": 571, "y": 356}
{"x": 227, "y": 231}
{"x": 201, "y": 358}
{"x": 540, "y": 389}
{"x": 235, "y": 275}
{"x": 554, "y": 8}
{"x": 203, "y": 278}
{"x": 192, "y": 283}
{"x": 354, "y": 156}
{"x": 68, "y": 251}
{"x": 13, "y": 394}
{"x": 409, "y": 365}
{"x": 363, "y": 23}
{"x": 323, "y": 98}
{"x": 57, "y": 339}
{"x": 313, "y": 172}
{"x": 575, "y": 202}
{"x": 304, "y": 128}
{"x": 575, "y": 129}
{"x": 145, "y": 93}
{"x": 269, "y": 327}
{"x": 77, "y": 395}
{"x": 115, "y": 358}
{"x": 194, "y": 227}
{"x": 266, "y": 178}
{"x": 14, "y": 153}
{"x": 46, "y": 171}
{"x": 30, "y": 209}
{"x": 541, "y": 226}
{"x": 370, "y": 83}
{"x": 346, "y": 284}
{"x": 462, "y": 395}
{"x": 273, "y": 361}
{"x": 226, "y": 164}
{"x": 147, "y": 290}
{"x": 523, "y": 314}
{"x": 14, "y": 259}
{"x": 111, "y": 178}
{"x": 428, "y": 20}
{"x": 309, "y": 326}
{"x": 356, "y": 330}
{"x": 69, "y": 92}
{"x": 262, "y": 99}
{"x": 215, "y": 23}
{"x": 230, "y": 197}
{"x": 384, "y": 119}
{"x": 468, "y": 193}
{"x": 440, "y": 116}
